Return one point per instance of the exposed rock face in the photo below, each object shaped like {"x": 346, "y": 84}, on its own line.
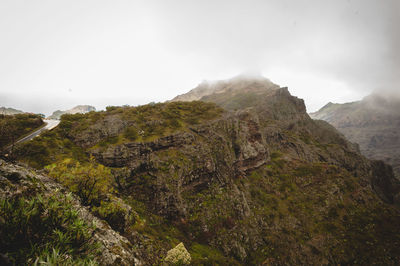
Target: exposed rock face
{"x": 373, "y": 123}
{"x": 17, "y": 180}
{"x": 77, "y": 109}
{"x": 384, "y": 182}
{"x": 110, "y": 126}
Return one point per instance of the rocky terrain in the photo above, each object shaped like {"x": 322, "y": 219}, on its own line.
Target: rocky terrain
{"x": 254, "y": 181}
{"x": 373, "y": 123}
{"x": 82, "y": 109}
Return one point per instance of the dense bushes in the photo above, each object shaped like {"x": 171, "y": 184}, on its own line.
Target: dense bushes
{"x": 156, "y": 120}
{"x": 131, "y": 133}
{"x": 42, "y": 229}
{"x": 114, "y": 213}
{"x": 48, "y": 148}
{"x": 90, "y": 181}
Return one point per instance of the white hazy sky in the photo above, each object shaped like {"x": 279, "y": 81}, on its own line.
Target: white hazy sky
{"x": 57, "y": 54}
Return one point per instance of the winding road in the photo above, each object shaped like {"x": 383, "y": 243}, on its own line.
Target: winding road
{"x": 50, "y": 124}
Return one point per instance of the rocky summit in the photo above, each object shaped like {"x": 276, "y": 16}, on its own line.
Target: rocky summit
{"x": 373, "y": 123}
{"x": 240, "y": 176}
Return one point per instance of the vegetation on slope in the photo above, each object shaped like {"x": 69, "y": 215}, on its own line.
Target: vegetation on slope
{"x": 373, "y": 123}
{"x": 12, "y": 127}
{"x": 233, "y": 100}
{"x": 90, "y": 181}
{"x": 39, "y": 228}
{"x": 117, "y": 125}
{"x": 323, "y": 210}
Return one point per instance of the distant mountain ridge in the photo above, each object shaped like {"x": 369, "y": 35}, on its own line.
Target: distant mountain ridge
{"x": 77, "y": 109}
{"x": 9, "y": 111}
{"x": 373, "y": 123}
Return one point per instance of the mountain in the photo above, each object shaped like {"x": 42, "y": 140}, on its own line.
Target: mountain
{"x": 246, "y": 178}
{"x": 9, "y": 111}
{"x": 373, "y": 123}
{"x": 236, "y": 91}
{"x": 82, "y": 109}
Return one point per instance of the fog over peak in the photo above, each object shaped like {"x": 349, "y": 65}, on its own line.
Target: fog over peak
{"x": 58, "y": 54}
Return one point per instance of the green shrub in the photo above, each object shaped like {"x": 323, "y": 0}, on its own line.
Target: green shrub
{"x": 31, "y": 227}
{"x": 114, "y": 213}
{"x": 54, "y": 257}
{"x": 35, "y": 153}
{"x": 90, "y": 181}
{"x": 131, "y": 133}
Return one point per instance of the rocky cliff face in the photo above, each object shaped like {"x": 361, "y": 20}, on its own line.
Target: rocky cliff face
{"x": 373, "y": 123}
{"x": 79, "y": 109}
{"x": 260, "y": 183}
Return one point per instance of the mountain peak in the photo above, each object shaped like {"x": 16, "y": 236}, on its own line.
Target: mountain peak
{"x": 242, "y": 82}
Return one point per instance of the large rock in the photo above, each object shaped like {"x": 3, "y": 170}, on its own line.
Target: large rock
{"x": 178, "y": 256}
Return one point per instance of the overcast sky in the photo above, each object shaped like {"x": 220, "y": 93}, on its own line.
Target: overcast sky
{"x": 57, "y": 54}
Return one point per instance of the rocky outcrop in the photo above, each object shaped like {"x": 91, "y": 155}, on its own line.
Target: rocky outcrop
{"x": 110, "y": 126}
{"x": 178, "y": 256}
{"x": 384, "y": 182}
{"x": 17, "y": 181}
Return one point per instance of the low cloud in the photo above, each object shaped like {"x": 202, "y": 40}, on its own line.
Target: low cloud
{"x": 140, "y": 51}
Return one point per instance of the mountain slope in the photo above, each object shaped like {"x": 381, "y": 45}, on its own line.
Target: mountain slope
{"x": 234, "y": 87}
{"x": 373, "y": 123}
{"x": 77, "y": 109}
{"x": 9, "y": 111}
{"x": 257, "y": 183}
{"x": 12, "y": 127}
